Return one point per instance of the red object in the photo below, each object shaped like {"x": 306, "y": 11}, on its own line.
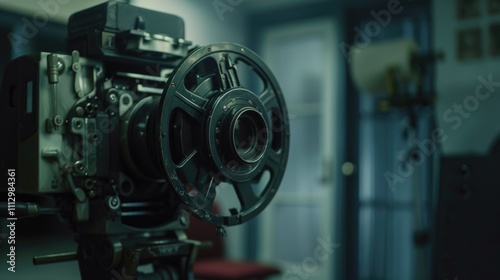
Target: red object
{"x": 210, "y": 262}
{"x": 230, "y": 270}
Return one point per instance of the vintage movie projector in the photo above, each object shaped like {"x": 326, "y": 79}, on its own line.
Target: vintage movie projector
{"x": 135, "y": 129}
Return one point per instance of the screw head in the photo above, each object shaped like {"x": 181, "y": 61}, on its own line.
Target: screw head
{"x": 113, "y": 202}
{"x": 89, "y": 184}
{"x": 91, "y": 194}
{"x": 79, "y": 166}
{"x": 113, "y": 98}
{"x": 78, "y": 124}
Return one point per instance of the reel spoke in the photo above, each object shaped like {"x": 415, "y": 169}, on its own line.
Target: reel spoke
{"x": 273, "y": 163}
{"x": 246, "y": 195}
{"x": 274, "y": 158}
{"x": 189, "y": 107}
{"x": 227, "y": 71}
{"x": 185, "y": 162}
{"x": 269, "y": 99}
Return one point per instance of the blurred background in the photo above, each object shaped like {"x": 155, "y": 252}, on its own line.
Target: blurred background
{"x": 391, "y": 174}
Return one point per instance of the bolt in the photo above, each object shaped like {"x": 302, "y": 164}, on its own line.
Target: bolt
{"x": 80, "y": 111}
{"x": 92, "y": 194}
{"x": 89, "y": 107}
{"x": 113, "y": 203}
{"x": 112, "y": 98}
{"x": 79, "y": 166}
{"x": 93, "y": 137}
{"x": 89, "y": 184}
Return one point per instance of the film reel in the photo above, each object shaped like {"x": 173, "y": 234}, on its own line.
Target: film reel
{"x": 215, "y": 127}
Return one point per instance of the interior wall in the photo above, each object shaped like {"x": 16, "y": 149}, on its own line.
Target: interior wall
{"x": 205, "y": 22}
{"x": 467, "y": 90}
{"x": 56, "y": 11}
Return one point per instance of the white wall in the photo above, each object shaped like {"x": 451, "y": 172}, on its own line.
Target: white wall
{"x": 457, "y": 81}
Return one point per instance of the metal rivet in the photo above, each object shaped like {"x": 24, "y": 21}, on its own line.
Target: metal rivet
{"x": 79, "y": 165}
{"x": 80, "y": 111}
{"x": 112, "y": 98}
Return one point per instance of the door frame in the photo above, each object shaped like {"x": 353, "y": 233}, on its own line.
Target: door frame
{"x": 323, "y": 14}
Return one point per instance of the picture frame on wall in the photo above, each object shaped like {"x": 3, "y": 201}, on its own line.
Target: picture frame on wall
{"x": 493, "y": 7}
{"x": 469, "y": 44}
{"x": 494, "y": 31}
{"x": 467, "y": 9}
